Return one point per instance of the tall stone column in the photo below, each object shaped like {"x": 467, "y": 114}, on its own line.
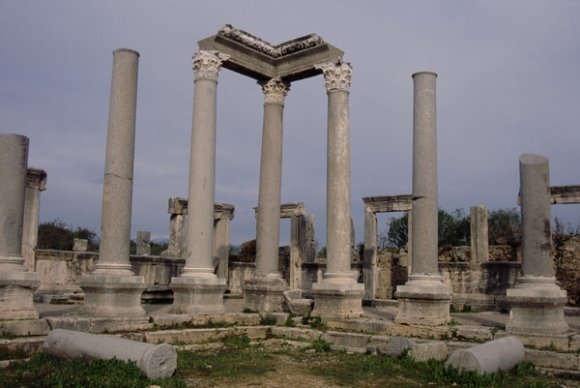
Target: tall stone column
{"x": 16, "y": 284}
{"x": 370, "y": 254}
{"x": 339, "y": 294}
{"x": 198, "y": 290}
{"x": 223, "y": 214}
{"x": 264, "y": 291}
{"x": 479, "y": 244}
{"x": 112, "y": 289}
{"x": 537, "y": 302}
{"x": 424, "y": 299}
{"x": 35, "y": 184}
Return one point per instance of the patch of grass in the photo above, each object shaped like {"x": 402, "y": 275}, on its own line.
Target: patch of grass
{"x": 267, "y": 321}
{"x": 315, "y": 323}
{"x": 290, "y": 321}
{"x": 43, "y": 370}
{"x": 320, "y": 346}
{"x": 236, "y": 341}
{"x": 229, "y": 364}
{"x": 7, "y": 335}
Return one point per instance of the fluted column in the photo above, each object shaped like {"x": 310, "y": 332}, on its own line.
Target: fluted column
{"x": 198, "y": 289}
{"x": 35, "y": 184}
{"x": 338, "y": 294}
{"x": 264, "y": 292}
{"x": 112, "y": 289}
{"x": 424, "y": 299}
{"x": 16, "y": 284}
{"x": 537, "y": 302}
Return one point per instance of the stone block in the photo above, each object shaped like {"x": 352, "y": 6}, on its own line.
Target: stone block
{"x": 337, "y": 300}
{"x": 118, "y": 325}
{"x": 70, "y": 323}
{"x": 559, "y": 342}
{"x": 24, "y": 346}
{"x": 575, "y": 343}
{"x": 378, "y": 344}
{"x": 398, "y": 346}
{"x": 156, "y": 361}
{"x": 25, "y": 327}
{"x": 363, "y": 325}
{"x": 432, "y": 350}
{"x": 112, "y": 296}
{"x": 188, "y": 336}
{"x": 278, "y": 318}
{"x": 295, "y": 333}
{"x": 552, "y": 360}
{"x": 194, "y": 295}
{"x": 473, "y": 333}
{"x": 254, "y": 333}
{"x": 490, "y": 357}
{"x": 347, "y": 340}
{"x": 419, "y": 331}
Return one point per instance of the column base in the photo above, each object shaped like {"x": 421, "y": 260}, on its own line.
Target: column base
{"x": 424, "y": 300}
{"x": 198, "y": 295}
{"x": 338, "y": 298}
{"x": 537, "y": 307}
{"x": 16, "y": 295}
{"x": 112, "y": 296}
{"x": 265, "y": 295}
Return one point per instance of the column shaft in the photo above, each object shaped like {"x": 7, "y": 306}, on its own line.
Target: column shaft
{"x": 338, "y": 218}
{"x": 119, "y": 159}
{"x": 199, "y": 240}
{"x": 268, "y": 216}
{"x": 13, "y": 169}
{"x": 425, "y": 211}
{"x": 536, "y": 216}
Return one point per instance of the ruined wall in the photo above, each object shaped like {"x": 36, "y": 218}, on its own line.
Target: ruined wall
{"x": 567, "y": 262}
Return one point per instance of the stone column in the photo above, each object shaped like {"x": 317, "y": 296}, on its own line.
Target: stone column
{"x": 370, "y": 255}
{"x": 424, "y": 299}
{"x": 479, "y": 244}
{"x": 143, "y": 243}
{"x": 177, "y": 208}
{"x": 16, "y": 284}
{"x": 264, "y": 291}
{"x": 224, "y": 213}
{"x": 537, "y": 302}
{"x": 112, "y": 289}
{"x": 198, "y": 289}
{"x": 35, "y": 184}
{"x": 338, "y": 294}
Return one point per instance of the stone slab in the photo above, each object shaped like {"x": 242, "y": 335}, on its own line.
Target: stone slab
{"x": 295, "y": 333}
{"x": 559, "y": 342}
{"x": 473, "y": 333}
{"x": 431, "y": 350}
{"x": 347, "y": 340}
{"x": 24, "y": 346}
{"x": 25, "y": 327}
{"x": 552, "y": 360}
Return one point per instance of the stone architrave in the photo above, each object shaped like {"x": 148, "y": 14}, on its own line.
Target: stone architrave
{"x": 35, "y": 184}
{"x": 264, "y": 292}
{"x": 16, "y": 284}
{"x": 537, "y": 302}
{"x": 424, "y": 299}
{"x": 479, "y": 244}
{"x": 198, "y": 290}
{"x": 338, "y": 294}
{"x": 112, "y": 289}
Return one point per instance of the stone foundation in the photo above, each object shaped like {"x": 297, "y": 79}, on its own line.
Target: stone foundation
{"x": 16, "y": 290}
{"x": 337, "y": 300}
{"x": 265, "y": 295}
{"x": 198, "y": 295}
{"x": 424, "y": 302}
{"x": 112, "y": 296}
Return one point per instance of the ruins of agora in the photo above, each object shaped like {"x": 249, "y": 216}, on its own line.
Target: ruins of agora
{"x": 483, "y": 305}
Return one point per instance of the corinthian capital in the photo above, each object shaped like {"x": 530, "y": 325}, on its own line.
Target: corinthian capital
{"x": 336, "y": 75}
{"x": 206, "y": 64}
{"x": 275, "y": 90}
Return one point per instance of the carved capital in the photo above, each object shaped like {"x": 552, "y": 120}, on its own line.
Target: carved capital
{"x": 337, "y": 75}
{"x": 275, "y": 90}
{"x": 207, "y": 64}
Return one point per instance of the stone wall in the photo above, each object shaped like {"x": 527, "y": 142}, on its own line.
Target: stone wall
{"x": 567, "y": 262}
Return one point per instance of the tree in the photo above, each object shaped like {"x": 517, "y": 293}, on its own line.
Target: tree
{"x": 60, "y": 236}
{"x": 503, "y": 226}
{"x": 453, "y": 229}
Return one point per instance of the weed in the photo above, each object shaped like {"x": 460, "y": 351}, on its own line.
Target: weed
{"x": 7, "y": 335}
{"x": 494, "y": 330}
{"x": 267, "y": 321}
{"x": 466, "y": 308}
{"x": 236, "y": 341}
{"x": 320, "y": 346}
{"x": 315, "y": 323}
{"x": 290, "y": 321}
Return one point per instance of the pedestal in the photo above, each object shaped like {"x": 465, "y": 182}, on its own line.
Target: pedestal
{"x": 265, "y": 294}
{"x": 338, "y": 298}
{"x": 16, "y": 299}
{"x": 198, "y": 295}
{"x": 537, "y": 307}
{"x": 112, "y": 296}
{"x": 424, "y": 300}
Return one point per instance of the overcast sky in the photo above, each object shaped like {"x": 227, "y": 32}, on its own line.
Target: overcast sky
{"x": 509, "y": 83}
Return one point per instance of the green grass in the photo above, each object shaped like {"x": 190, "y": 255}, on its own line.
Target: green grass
{"x": 43, "y": 370}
